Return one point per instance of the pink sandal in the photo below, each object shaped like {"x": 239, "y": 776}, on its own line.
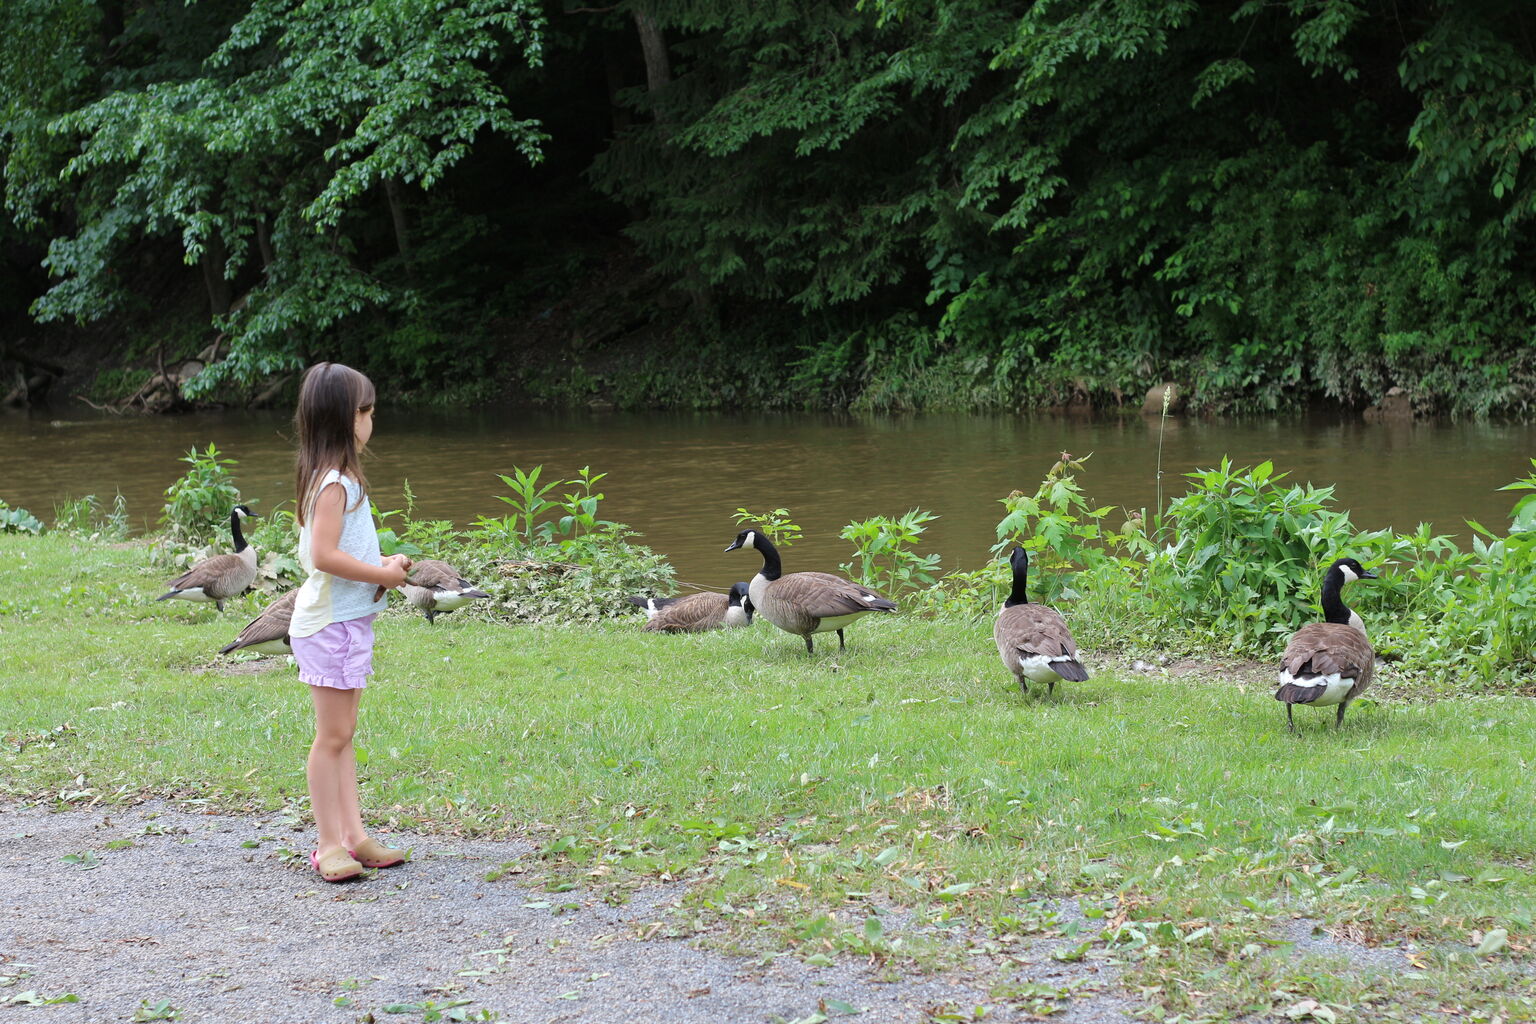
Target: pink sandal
{"x": 335, "y": 866}
{"x": 371, "y": 853}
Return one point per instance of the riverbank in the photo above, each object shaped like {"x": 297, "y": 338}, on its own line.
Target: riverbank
{"x": 900, "y": 805}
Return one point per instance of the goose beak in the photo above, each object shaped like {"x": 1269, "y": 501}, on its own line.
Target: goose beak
{"x": 734, "y": 546}
{"x": 1368, "y": 575}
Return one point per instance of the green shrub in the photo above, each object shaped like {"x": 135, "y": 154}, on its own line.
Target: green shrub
{"x": 85, "y": 517}
{"x": 198, "y": 504}
{"x": 18, "y": 520}
{"x": 553, "y": 558}
{"x": 883, "y": 555}
{"x": 774, "y": 524}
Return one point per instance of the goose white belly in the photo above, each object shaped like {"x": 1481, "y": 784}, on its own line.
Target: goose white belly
{"x": 190, "y": 594}
{"x": 449, "y": 600}
{"x": 834, "y": 623}
{"x": 1338, "y": 687}
{"x": 270, "y": 647}
{"x": 1038, "y": 667}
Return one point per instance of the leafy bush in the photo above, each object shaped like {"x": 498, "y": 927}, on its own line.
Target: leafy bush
{"x": 275, "y": 536}
{"x": 1235, "y": 565}
{"x": 553, "y": 558}
{"x": 1245, "y": 553}
{"x": 18, "y": 520}
{"x": 85, "y": 517}
{"x": 198, "y": 504}
{"x": 883, "y": 558}
{"x": 774, "y": 524}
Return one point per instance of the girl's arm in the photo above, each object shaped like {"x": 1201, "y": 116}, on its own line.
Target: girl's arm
{"x": 325, "y": 520}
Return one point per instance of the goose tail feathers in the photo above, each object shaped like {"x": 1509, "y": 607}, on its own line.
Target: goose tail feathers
{"x": 1071, "y": 671}
{"x": 1295, "y": 693}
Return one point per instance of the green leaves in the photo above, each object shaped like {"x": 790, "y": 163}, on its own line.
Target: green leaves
{"x": 249, "y": 139}
{"x": 198, "y": 503}
{"x": 883, "y": 555}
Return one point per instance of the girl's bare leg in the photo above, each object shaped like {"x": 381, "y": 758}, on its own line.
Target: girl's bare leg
{"x": 332, "y": 769}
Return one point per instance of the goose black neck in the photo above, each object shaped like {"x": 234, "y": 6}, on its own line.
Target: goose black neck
{"x": 234, "y": 531}
{"x": 1333, "y": 603}
{"x": 772, "y": 567}
{"x": 1020, "y": 593}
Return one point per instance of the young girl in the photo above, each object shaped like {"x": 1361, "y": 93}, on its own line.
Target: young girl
{"x": 333, "y": 614}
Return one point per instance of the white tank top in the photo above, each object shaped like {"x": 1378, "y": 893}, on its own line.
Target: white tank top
{"x": 324, "y": 598}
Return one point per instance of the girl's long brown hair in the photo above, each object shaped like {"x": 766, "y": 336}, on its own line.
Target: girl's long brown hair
{"x": 330, "y": 397}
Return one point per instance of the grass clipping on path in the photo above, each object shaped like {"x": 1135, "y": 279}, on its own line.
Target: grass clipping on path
{"x": 814, "y": 803}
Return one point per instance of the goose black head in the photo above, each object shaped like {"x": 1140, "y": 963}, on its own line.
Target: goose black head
{"x": 1351, "y": 570}
{"x": 1019, "y": 560}
{"x": 744, "y": 539}
{"x": 740, "y": 597}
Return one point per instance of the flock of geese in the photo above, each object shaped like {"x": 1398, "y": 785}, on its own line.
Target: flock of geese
{"x": 1325, "y": 664}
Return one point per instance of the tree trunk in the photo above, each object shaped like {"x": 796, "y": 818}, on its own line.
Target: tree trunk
{"x": 397, "y": 214}
{"x": 264, "y": 241}
{"x": 212, "y": 262}
{"x": 658, "y": 68}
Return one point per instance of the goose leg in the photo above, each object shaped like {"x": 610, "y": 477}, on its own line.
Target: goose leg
{"x": 1338, "y": 719}
{"x": 219, "y": 604}
{"x": 809, "y": 649}
{"x": 1050, "y": 688}
{"x": 1023, "y": 683}
{"x": 1289, "y": 720}
{"x": 430, "y": 616}
{"x": 840, "y": 644}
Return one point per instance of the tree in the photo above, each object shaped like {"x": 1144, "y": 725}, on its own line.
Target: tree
{"x": 272, "y": 122}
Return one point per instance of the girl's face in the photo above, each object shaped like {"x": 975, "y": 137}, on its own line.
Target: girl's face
{"x": 363, "y": 426}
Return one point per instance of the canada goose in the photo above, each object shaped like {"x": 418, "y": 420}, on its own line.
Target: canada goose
{"x": 267, "y": 633}
{"x": 1034, "y": 640}
{"x": 804, "y": 603}
{"x": 1330, "y": 662}
{"x": 695, "y": 613}
{"x": 437, "y": 588}
{"x": 220, "y": 577}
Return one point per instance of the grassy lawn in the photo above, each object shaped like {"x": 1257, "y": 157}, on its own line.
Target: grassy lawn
{"x": 852, "y": 805}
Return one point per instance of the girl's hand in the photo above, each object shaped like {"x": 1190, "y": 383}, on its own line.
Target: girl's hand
{"x": 394, "y": 568}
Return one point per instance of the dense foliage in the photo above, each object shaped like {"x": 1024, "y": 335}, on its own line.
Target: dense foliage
{"x": 888, "y": 203}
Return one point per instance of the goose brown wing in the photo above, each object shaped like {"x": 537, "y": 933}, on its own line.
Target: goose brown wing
{"x": 1326, "y": 648}
{"x": 692, "y": 613}
{"x": 824, "y": 596}
{"x": 271, "y": 624}
{"x": 436, "y": 575}
{"x": 211, "y": 572}
{"x": 1035, "y": 629}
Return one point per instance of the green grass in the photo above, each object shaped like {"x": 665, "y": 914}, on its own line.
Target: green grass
{"x": 905, "y": 780}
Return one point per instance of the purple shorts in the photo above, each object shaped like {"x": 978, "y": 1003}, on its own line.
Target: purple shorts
{"x": 339, "y": 656}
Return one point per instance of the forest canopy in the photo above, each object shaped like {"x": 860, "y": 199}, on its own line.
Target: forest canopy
{"x": 882, "y": 203}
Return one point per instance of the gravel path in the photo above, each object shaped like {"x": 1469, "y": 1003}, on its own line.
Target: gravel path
{"x": 189, "y": 915}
